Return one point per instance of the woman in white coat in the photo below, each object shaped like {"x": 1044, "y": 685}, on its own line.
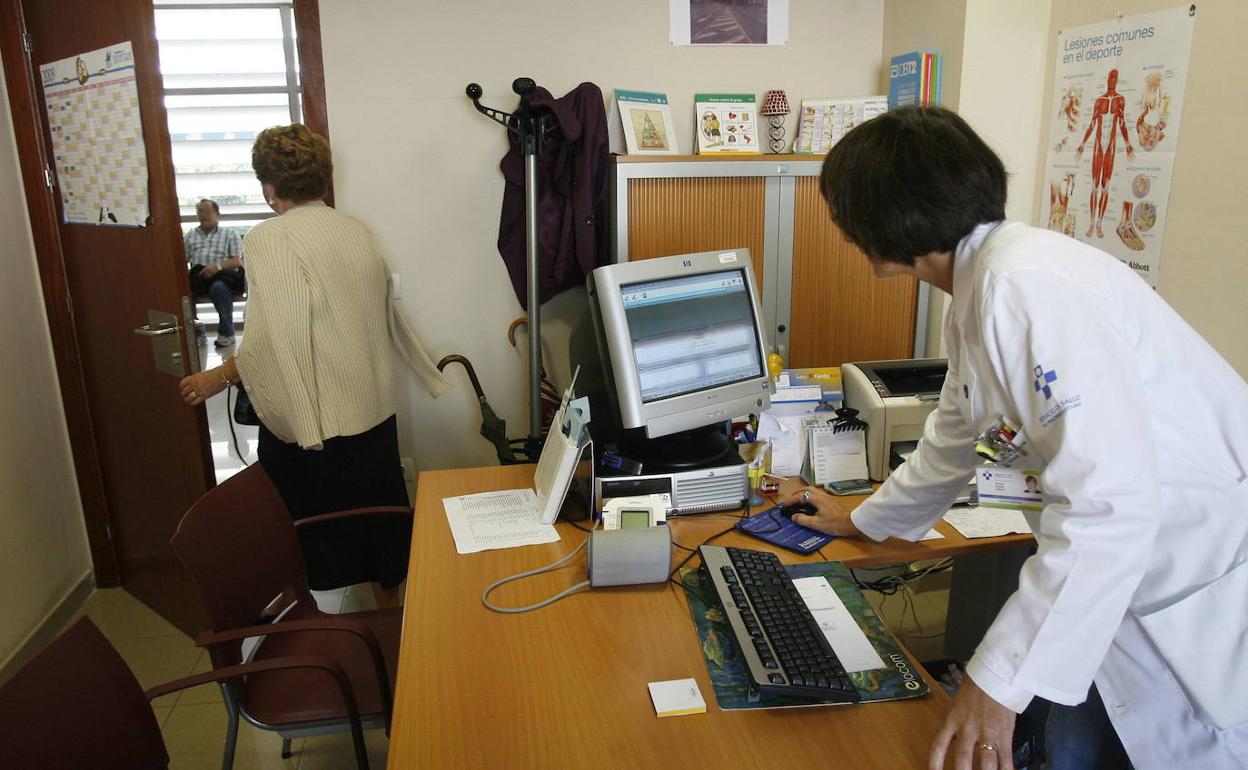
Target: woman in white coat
{"x": 1137, "y": 595}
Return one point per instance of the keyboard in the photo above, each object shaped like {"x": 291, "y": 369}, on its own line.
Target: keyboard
{"x": 784, "y": 649}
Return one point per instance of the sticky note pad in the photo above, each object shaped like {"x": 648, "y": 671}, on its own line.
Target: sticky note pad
{"x": 677, "y": 697}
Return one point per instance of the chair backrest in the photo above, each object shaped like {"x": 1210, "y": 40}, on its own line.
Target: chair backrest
{"x": 239, "y": 546}
{"x": 76, "y": 704}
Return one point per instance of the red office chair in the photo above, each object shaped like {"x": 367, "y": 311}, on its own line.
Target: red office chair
{"x": 77, "y": 705}
{"x": 242, "y": 552}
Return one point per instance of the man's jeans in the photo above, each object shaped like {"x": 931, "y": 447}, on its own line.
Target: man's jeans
{"x": 1082, "y": 737}
{"x": 223, "y": 300}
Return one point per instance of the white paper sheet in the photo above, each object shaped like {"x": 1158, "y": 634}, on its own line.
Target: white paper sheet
{"x": 848, "y": 641}
{"x": 932, "y": 535}
{"x": 787, "y": 446}
{"x": 491, "y": 520}
{"x": 975, "y": 521}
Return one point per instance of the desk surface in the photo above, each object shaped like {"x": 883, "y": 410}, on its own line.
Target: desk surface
{"x": 565, "y": 686}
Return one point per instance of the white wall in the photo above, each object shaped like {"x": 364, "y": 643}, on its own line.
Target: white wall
{"x": 1203, "y": 268}
{"x": 995, "y": 54}
{"x": 43, "y": 549}
{"x": 420, "y": 166}
{"x": 929, "y": 25}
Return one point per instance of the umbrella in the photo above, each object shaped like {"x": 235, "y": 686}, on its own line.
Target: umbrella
{"x": 493, "y": 427}
{"x": 550, "y": 396}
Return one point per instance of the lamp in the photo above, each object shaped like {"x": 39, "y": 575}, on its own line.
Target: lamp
{"x": 775, "y": 107}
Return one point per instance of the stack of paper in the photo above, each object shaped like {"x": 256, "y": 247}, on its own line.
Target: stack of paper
{"x": 801, "y": 391}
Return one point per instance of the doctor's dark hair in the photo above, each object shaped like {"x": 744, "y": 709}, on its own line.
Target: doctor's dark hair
{"x": 912, "y": 181}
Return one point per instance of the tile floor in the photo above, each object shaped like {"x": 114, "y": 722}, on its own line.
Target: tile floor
{"x": 193, "y": 721}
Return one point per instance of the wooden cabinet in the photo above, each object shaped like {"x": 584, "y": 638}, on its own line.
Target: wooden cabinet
{"x": 822, "y": 305}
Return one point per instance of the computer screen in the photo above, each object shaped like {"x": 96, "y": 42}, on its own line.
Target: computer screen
{"x": 682, "y": 340}
{"x": 691, "y": 333}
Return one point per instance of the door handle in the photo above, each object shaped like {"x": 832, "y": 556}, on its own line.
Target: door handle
{"x": 146, "y": 330}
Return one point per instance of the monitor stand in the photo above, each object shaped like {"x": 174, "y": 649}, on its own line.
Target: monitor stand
{"x": 707, "y": 447}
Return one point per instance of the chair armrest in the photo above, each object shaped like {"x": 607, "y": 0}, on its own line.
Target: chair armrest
{"x": 365, "y": 634}
{"x": 283, "y": 664}
{"x": 392, "y": 510}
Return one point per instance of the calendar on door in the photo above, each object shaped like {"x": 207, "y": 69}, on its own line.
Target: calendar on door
{"x": 97, "y": 137}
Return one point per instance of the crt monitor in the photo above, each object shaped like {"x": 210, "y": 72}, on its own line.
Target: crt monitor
{"x": 681, "y": 341}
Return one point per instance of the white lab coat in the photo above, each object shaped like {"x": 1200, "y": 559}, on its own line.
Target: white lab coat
{"x": 1140, "y": 579}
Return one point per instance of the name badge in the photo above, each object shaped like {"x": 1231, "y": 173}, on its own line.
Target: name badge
{"x": 1015, "y": 488}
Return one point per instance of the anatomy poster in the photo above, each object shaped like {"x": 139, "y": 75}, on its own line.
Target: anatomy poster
{"x": 97, "y": 137}
{"x": 1118, "y": 93}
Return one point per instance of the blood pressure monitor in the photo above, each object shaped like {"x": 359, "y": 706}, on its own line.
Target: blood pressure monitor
{"x": 635, "y": 512}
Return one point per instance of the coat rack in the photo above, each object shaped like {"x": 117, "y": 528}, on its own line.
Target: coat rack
{"x": 530, "y": 126}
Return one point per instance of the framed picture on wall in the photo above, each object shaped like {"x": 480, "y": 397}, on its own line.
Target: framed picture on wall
{"x": 728, "y": 22}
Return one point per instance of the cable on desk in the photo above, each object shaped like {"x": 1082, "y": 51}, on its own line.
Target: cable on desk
{"x": 530, "y": 573}
{"x": 892, "y": 584}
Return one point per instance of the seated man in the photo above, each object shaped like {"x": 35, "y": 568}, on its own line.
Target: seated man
{"x": 215, "y": 256}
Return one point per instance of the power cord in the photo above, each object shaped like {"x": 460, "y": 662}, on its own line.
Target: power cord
{"x": 539, "y": 571}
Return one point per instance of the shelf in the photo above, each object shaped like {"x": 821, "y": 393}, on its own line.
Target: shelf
{"x": 716, "y": 158}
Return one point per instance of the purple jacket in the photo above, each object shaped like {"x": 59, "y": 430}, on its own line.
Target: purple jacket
{"x": 572, "y": 198}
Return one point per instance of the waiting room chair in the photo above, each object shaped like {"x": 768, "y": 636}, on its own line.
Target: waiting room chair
{"x": 241, "y": 550}
{"x": 77, "y": 705}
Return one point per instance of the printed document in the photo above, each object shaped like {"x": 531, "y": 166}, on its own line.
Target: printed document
{"x": 987, "y": 522}
{"x": 848, "y": 641}
{"x": 490, "y": 520}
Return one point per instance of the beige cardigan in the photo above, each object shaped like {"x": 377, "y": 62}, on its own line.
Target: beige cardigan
{"x": 315, "y": 356}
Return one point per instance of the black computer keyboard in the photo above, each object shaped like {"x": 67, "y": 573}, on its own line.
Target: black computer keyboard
{"x": 784, "y": 649}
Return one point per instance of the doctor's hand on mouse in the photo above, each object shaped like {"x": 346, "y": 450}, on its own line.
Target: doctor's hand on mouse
{"x": 829, "y": 517}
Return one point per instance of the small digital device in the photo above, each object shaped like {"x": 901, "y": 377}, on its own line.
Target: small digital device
{"x": 683, "y": 340}
{"x": 849, "y": 487}
{"x": 635, "y": 512}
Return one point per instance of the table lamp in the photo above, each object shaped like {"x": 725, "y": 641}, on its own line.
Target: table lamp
{"x": 775, "y": 107}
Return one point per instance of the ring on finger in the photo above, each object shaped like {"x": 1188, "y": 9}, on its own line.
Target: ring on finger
{"x": 986, "y": 746}
{"x": 806, "y": 495}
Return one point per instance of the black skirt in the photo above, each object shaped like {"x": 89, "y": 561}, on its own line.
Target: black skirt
{"x": 348, "y": 472}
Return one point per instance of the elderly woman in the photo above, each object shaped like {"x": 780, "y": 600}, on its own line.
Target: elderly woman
{"x": 316, "y": 362}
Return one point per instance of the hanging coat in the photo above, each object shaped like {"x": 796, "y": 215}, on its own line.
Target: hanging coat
{"x": 1140, "y": 578}
{"x": 572, "y": 196}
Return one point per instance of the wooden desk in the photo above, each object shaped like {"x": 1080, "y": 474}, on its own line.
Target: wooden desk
{"x": 565, "y": 686}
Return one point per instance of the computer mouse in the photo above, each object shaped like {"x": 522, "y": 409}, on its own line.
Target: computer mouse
{"x": 806, "y": 508}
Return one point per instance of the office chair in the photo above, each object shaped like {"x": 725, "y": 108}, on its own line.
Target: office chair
{"x": 76, "y": 704}
{"x": 238, "y": 544}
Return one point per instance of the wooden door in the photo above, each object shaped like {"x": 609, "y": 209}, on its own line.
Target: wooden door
{"x": 152, "y": 450}
{"x": 686, "y": 215}
{"x": 840, "y": 311}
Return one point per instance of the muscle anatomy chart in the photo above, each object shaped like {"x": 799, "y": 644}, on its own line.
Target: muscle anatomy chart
{"x": 1113, "y": 128}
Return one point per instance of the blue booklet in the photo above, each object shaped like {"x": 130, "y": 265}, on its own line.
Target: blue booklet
{"x": 777, "y": 529}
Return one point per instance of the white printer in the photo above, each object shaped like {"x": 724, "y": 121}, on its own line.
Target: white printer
{"x": 894, "y": 398}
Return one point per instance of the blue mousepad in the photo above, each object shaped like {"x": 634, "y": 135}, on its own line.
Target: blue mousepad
{"x": 777, "y": 529}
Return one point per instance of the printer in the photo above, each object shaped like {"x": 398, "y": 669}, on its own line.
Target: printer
{"x": 894, "y": 398}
